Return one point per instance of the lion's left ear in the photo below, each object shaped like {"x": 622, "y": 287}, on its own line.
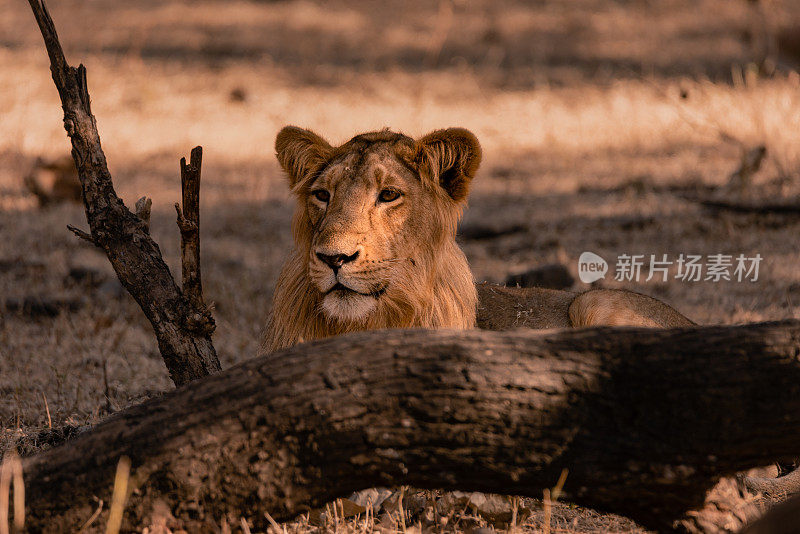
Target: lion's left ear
{"x": 451, "y": 157}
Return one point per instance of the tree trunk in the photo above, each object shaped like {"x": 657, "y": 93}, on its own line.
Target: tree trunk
{"x": 645, "y": 420}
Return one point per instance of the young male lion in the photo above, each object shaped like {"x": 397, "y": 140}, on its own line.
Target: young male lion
{"x": 375, "y": 247}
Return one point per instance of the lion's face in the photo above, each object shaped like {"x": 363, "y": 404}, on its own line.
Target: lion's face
{"x": 370, "y": 218}
{"x": 376, "y": 220}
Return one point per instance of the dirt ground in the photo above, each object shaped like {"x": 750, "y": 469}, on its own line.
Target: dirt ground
{"x": 594, "y": 116}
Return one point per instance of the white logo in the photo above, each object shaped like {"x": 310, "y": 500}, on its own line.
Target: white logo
{"x": 591, "y": 267}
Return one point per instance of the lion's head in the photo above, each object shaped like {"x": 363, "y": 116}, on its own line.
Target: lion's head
{"x": 374, "y": 233}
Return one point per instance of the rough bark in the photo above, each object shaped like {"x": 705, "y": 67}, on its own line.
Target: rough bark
{"x": 186, "y": 348}
{"x": 645, "y": 420}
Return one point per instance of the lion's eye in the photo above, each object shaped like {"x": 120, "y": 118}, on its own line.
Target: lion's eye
{"x": 388, "y": 195}
{"x": 321, "y": 195}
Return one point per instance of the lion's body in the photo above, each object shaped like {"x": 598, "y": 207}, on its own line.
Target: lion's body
{"x": 618, "y": 307}
{"x": 375, "y": 247}
{"x": 506, "y": 308}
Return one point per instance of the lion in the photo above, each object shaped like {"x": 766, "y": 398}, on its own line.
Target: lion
{"x": 375, "y": 246}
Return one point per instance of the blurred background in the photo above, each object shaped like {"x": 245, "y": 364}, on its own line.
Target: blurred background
{"x": 602, "y": 122}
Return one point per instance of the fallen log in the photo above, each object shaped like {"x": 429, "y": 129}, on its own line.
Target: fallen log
{"x": 645, "y": 420}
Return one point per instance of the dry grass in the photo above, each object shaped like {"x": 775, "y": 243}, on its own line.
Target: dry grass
{"x": 423, "y": 514}
{"x": 590, "y": 114}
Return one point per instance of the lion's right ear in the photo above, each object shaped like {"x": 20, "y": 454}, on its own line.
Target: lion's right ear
{"x": 301, "y": 153}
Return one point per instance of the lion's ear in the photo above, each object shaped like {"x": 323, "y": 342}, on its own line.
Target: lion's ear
{"x": 301, "y": 153}
{"x": 451, "y": 157}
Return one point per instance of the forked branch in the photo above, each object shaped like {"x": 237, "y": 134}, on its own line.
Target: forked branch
{"x": 124, "y": 236}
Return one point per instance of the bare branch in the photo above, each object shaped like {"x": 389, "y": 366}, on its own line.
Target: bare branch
{"x": 124, "y": 236}
{"x": 81, "y": 234}
{"x": 189, "y": 223}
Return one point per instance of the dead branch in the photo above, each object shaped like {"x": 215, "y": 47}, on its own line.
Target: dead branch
{"x": 136, "y": 258}
{"x": 645, "y": 420}
{"x": 189, "y": 225}
{"x": 82, "y": 235}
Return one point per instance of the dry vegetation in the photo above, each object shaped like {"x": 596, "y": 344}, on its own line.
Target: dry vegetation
{"x": 593, "y": 114}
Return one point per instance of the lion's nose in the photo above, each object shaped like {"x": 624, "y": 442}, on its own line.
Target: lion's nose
{"x": 335, "y": 261}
